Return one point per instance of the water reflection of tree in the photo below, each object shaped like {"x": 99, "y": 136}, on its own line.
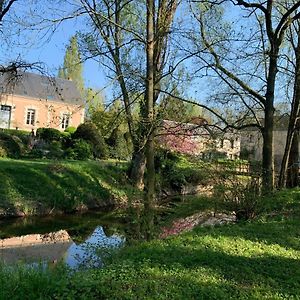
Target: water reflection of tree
{"x": 140, "y": 224}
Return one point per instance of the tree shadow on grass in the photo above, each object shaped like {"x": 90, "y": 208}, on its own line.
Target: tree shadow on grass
{"x": 266, "y": 272}
{"x": 56, "y": 186}
{"x": 285, "y": 233}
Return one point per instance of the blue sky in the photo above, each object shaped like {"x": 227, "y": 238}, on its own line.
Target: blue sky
{"x": 51, "y": 53}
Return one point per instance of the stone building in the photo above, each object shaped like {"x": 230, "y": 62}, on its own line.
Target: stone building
{"x": 199, "y": 140}
{"x": 252, "y": 141}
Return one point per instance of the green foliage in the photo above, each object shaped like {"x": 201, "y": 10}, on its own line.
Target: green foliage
{"x": 22, "y": 134}
{"x": 94, "y": 100}
{"x": 89, "y": 132}
{"x": 176, "y": 170}
{"x": 12, "y": 146}
{"x": 41, "y": 186}
{"x": 118, "y": 144}
{"x": 80, "y": 150}
{"x": 70, "y": 130}
{"x": 249, "y": 260}
{"x": 49, "y": 134}
{"x": 3, "y": 152}
{"x": 72, "y": 68}
{"x": 239, "y": 194}
{"x": 54, "y": 150}
{"x": 177, "y": 110}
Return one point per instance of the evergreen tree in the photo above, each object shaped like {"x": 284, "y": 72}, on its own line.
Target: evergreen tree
{"x": 72, "y": 67}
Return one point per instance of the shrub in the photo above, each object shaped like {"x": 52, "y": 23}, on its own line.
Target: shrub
{"x": 55, "y": 150}
{"x": 177, "y": 180}
{"x": 12, "y": 145}
{"x": 90, "y": 133}
{"x": 239, "y": 194}
{"x": 22, "y": 134}
{"x": 80, "y": 150}
{"x": 36, "y": 153}
{"x": 177, "y": 170}
{"x": 70, "y": 130}
{"x": 49, "y": 134}
{"x": 3, "y": 152}
{"x": 118, "y": 145}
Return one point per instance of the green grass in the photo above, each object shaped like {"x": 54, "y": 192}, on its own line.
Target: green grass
{"x": 251, "y": 260}
{"x": 37, "y": 186}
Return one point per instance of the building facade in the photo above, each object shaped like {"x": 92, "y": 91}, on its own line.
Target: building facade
{"x": 30, "y": 101}
{"x": 199, "y": 140}
{"x": 252, "y": 145}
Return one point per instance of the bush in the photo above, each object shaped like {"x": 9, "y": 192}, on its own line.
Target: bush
{"x": 37, "y": 153}
{"x": 22, "y": 134}
{"x": 70, "y": 130}
{"x": 80, "y": 150}
{"x": 11, "y": 145}
{"x": 119, "y": 146}
{"x": 3, "y": 152}
{"x": 177, "y": 171}
{"x": 89, "y": 132}
{"x": 55, "y": 150}
{"x": 239, "y": 194}
{"x": 49, "y": 134}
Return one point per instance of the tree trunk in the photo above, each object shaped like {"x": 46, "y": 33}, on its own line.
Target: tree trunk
{"x": 137, "y": 168}
{"x": 293, "y": 166}
{"x": 268, "y": 153}
{"x": 149, "y": 121}
{"x": 291, "y": 140}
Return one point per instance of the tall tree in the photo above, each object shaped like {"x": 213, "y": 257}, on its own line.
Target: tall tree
{"x": 72, "y": 68}
{"x": 116, "y": 42}
{"x": 290, "y": 161}
{"x": 119, "y": 40}
{"x": 272, "y": 31}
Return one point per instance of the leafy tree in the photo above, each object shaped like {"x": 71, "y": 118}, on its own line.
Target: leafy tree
{"x": 175, "y": 110}
{"x": 90, "y": 133}
{"x": 72, "y": 68}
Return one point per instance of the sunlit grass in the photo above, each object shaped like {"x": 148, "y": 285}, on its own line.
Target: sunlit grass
{"x": 38, "y": 186}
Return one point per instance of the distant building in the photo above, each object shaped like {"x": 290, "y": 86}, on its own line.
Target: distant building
{"x": 30, "y": 101}
{"x": 252, "y": 141}
{"x": 199, "y": 140}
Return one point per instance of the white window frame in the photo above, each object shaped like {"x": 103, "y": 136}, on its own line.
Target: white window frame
{"x": 30, "y": 116}
{"x": 65, "y": 120}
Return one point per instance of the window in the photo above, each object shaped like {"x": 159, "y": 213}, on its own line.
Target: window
{"x": 222, "y": 143}
{"x": 232, "y": 144}
{"x": 65, "y": 121}
{"x": 5, "y": 108}
{"x": 30, "y": 118}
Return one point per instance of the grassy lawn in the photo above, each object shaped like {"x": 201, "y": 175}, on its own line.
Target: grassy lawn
{"x": 37, "y": 186}
{"x": 251, "y": 260}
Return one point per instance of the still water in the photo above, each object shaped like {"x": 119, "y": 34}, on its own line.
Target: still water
{"x": 78, "y": 240}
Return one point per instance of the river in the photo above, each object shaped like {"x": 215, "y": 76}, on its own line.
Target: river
{"x": 80, "y": 240}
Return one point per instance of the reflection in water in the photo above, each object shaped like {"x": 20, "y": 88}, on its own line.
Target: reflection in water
{"x": 87, "y": 238}
{"x": 57, "y": 246}
{"x": 85, "y": 254}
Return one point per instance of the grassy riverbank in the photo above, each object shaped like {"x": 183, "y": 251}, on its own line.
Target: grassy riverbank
{"x": 44, "y": 186}
{"x": 252, "y": 260}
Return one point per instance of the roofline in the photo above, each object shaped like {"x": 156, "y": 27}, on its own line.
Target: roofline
{"x": 42, "y": 99}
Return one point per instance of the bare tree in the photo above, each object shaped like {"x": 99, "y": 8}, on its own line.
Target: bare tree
{"x": 290, "y": 161}
{"x": 272, "y": 32}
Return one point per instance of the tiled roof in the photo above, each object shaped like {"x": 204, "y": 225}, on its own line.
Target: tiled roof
{"x": 40, "y": 87}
